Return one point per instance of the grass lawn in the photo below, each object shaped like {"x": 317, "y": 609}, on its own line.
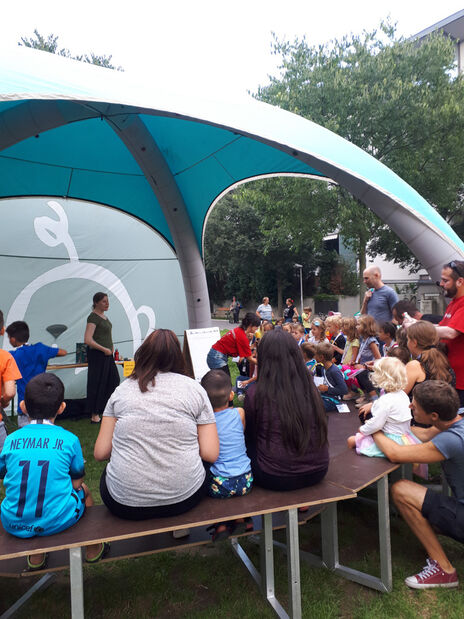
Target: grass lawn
{"x": 211, "y": 582}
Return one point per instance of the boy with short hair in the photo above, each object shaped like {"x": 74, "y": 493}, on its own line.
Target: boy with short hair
{"x": 42, "y": 468}
{"x": 9, "y": 373}
{"x": 32, "y": 359}
{"x": 435, "y": 403}
{"x": 231, "y": 474}
{"x": 334, "y": 385}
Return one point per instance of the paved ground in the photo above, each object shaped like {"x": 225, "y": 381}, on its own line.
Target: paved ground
{"x": 222, "y": 324}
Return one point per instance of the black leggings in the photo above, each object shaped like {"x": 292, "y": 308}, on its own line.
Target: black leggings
{"x": 364, "y": 381}
{"x": 144, "y": 513}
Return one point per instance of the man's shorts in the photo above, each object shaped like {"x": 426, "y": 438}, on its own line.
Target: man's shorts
{"x": 445, "y": 514}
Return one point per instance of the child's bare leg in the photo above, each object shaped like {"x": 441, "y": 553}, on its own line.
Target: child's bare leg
{"x": 91, "y": 551}
{"x": 88, "y": 495}
{"x": 351, "y": 442}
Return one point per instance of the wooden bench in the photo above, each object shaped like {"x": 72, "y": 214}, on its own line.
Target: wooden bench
{"x": 348, "y": 474}
{"x": 221, "y": 312}
{"x": 144, "y": 537}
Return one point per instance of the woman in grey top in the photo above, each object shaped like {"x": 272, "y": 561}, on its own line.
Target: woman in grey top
{"x": 157, "y": 427}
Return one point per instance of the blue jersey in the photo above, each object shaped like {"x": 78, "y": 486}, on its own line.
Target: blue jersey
{"x": 37, "y": 464}
{"x": 31, "y": 359}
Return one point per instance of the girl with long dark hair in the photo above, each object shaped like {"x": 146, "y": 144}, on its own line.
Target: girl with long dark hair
{"x": 286, "y": 426}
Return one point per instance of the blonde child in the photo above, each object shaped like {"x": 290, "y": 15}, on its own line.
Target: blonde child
{"x": 306, "y": 319}
{"x": 336, "y": 337}
{"x": 368, "y": 352}
{"x": 390, "y": 413}
{"x": 318, "y": 329}
{"x": 350, "y": 352}
{"x": 298, "y": 332}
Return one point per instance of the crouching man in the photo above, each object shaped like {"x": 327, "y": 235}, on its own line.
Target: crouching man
{"x": 426, "y": 512}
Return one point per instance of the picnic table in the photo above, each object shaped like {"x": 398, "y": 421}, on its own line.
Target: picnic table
{"x": 347, "y": 475}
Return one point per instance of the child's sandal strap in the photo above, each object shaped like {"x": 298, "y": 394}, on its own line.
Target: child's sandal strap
{"x": 36, "y": 566}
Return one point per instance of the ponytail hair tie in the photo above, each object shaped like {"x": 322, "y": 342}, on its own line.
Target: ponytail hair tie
{"x": 430, "y": 347}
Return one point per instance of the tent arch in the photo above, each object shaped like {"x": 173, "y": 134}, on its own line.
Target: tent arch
{"x": 167, "y": 158}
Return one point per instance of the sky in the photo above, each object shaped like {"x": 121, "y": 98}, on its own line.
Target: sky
{"x": 205, "y": 45}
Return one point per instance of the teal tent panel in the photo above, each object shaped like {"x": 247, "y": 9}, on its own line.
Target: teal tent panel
{"x": 95, "y": 146}
{"x": 130, "y": 194}
{"x": 24, "y": 178}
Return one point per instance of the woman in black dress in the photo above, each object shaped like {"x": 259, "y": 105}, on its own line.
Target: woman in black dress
{"x": 102, "y": 376}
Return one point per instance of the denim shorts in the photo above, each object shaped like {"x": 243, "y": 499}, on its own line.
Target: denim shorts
{"x": 215, "y": 359}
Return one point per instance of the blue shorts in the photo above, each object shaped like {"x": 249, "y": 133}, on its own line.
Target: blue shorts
{"x": 225, "y": 487}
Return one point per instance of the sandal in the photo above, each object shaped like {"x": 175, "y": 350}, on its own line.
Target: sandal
{"x": 105, "y": 548}
{"x": 219, "y": 532}
{"x": 37, "y": 566}
{"x": 237, "y": 527}
{"x": 350, "y": 396}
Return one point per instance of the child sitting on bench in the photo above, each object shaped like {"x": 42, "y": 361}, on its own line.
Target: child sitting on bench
{"x": 42, "y": 468}
{"x": 390, "y": 412}
{"x": 231, "y": 474}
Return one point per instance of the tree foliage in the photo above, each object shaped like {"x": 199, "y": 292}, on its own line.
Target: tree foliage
{"x": 50, "y": 44}
{"x": 256, "y": 234}
{"x": 399, "y": 100}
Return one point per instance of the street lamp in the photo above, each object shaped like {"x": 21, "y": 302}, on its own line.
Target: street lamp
{"x": 300, "y": 266}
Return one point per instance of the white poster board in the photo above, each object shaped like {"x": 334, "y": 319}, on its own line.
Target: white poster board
{"x": 197, "y": 344}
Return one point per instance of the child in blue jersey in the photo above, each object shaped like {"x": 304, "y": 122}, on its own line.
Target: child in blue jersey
{"x": 42, "y": 468}
{"x": 31, "y": 359}
{"x": 231, "y": 474}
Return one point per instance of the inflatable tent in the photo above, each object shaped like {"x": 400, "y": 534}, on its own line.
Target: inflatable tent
{"x": 106, "y": 183}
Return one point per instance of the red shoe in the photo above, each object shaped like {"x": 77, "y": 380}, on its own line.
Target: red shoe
{"x": 432, "y": 576}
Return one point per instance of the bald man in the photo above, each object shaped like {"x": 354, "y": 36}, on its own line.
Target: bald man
{"x": 379, "y": 299}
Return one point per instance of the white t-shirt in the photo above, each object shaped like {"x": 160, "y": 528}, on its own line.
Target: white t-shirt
{"x": 155, "y": 457}
{"x": 390, "y": 413}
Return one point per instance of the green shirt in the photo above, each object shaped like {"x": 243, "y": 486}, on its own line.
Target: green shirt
{"x": 102, "y": 333}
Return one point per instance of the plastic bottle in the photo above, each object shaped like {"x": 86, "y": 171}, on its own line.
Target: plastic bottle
{"x": 116, "y": 355}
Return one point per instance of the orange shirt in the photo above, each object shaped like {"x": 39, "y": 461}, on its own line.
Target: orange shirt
{"x": 8, "y": 369}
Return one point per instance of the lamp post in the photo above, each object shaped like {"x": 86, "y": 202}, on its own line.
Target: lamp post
{"x": 300, "y": 266}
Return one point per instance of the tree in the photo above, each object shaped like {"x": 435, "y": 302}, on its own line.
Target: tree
{"x": 50, "y": 44}
{"x": 257, "y": 233}
{"x": 398, "y": 100}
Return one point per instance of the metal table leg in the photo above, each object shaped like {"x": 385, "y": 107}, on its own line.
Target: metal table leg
{"x": 330, "y": 545}
{"x": 77, "y": 583}
{"x": 265, "y": 580}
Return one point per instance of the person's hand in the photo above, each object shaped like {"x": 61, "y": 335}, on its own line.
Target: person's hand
{"x": 368, "y": 295}
{"x": 107, "y": 352}
{"x": 408, "y": 321}
{"x": 323, "y": 388}
{"x": 364, "y": 410}
{"x": 369, "y": 365}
